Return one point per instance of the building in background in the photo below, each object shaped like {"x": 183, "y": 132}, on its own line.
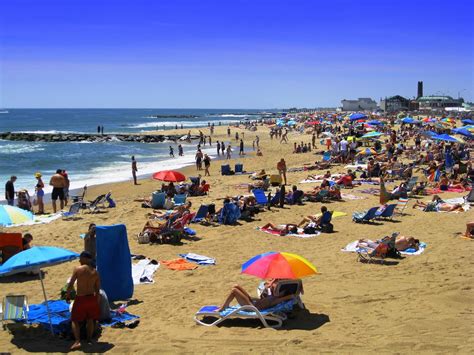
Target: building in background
{"x": 434, "y": 102}
{"x": 394, "y": 104}
{"x": 361, "y": 104}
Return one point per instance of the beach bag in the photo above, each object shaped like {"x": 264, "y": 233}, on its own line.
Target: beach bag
{"x": 143, "y": 238}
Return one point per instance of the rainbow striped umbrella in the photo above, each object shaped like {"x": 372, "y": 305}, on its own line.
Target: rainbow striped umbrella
{"x": 13, "y": 215}
{"x": 366, "y": 151}
{"x": 278, "y": 265}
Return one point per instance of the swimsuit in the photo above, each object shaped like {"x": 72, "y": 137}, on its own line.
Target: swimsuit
{"x": 85, "y": 307}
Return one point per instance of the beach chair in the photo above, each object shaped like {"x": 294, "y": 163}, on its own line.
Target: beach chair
{"x": 361, "y": 217}
{"x": 73, "y": 211}
{"x": 385, "y": 248}
{"x": 285, "y": 287}
{"x": 276, "y": 314}
{"x": 179, "y": 199}
{"x": 411, "y": 184}
{"x": 230, "y": 213}
{"x": 239, "y": 168}
{"x": 470, "y": 196}
{"x": 225, "y": 169}
{"x": 80, "y": 198}
{"x": 99, "y": 203}
{"x": 326, "y": 156}
{"x": 10, "y": 244}
{"x": 388, "y": 212}
{"x": 158, "y": 199}
{"x": 275, "y": 199}
{"x": 401, "y": 205}
{"x": 201, "y": 214}
{"x": 260, "y": 197}
{"x": 15, "y": 308}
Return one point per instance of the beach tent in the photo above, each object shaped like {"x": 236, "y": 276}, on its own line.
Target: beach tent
{"x": 357, "y": 116}
{"x": 114, "y": 263}
{"x": 37, "y": 258}
{"x": 10, "y": 215}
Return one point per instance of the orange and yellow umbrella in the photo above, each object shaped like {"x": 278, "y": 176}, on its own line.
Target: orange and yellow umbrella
{"x": 278, "y": 265}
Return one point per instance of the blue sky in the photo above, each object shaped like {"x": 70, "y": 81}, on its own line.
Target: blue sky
{"x": 230, "y": 54}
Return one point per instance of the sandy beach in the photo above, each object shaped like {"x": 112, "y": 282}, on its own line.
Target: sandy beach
{"x": 420, "y": 304}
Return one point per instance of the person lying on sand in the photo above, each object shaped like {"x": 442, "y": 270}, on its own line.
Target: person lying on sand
{"x": 265, "y": 300}
{"x": 438, "y": 205}
{"x": 177, "y": 212}
{"x": 401, "y": 243}
{"x": 322, "y": 220}
{"x": 283, "y": 230}
{"x": 469, "y": 230}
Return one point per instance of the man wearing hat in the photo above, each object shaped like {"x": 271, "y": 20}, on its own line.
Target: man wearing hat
{"x": 86, "y": 304}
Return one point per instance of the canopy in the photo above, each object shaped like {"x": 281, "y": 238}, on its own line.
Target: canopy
{"x": 446, "y": 138}
{"x": 357, "y": 116}
{"x": 13, "y": 215}
{"x": 36, "y": 258}
{"x": 169, "y": 176}
{"x": 278, "y": 265}
{"x": 463, "y": 131}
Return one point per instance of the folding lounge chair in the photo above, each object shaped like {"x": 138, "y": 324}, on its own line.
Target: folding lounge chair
{"x": 369, "y": 255}
{"x": 80, "y": 198}
{"x": 201, "y": 213}
{"x": 73, "y": 210}
{"x": 388, "y": 212}
{"x": 411, "y": 184}
{"x": 360, "y": 217}
{"x": 275, "y": 180}
{"x": 401, "y": 205}
{"x": 158, "y": 199}
{"x": 275, "y": 199}
{"x": 98, "y": 203}
{"x": 327, "y": 156}
{"x": 15, "y": 308}
{"x": 179, "y": 199}
{"x": 275, "y": 314}
{"x": 260, "y": 197}
{"x": 10, "y": 244}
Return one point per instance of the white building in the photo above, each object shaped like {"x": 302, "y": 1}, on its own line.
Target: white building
{"x": 361, "y": 104}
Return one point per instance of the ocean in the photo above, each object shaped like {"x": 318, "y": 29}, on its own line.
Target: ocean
{"x": 98, "y": 163}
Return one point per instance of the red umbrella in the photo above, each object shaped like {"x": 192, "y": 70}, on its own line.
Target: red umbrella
{"x": 313, "y": 122}
{"x": 169, "y": 176}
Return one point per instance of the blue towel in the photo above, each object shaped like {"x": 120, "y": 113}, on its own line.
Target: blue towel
{"x": 114, "y": 262}
{"x": 61, "y": 317}
{"x": 189, "y": 231}
{"x": 284, "y": 307}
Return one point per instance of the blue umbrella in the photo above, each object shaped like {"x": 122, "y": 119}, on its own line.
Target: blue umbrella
{"x": 445, "y": 137}
{"x": 467, "y": 121}
{"x": 357, "y": 116}
{"x": 375, "y": 123}
{"x": 463, "y": 131}
{"x": 409, "y": 120}
{"x": 37, "y": 258}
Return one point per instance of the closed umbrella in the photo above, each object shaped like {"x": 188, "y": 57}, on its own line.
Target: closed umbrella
{"x": 169, "y": 176}
{"x": 37, "y": 258}
{"x": 278, "y": 265}
{"x": 13, "y": 215}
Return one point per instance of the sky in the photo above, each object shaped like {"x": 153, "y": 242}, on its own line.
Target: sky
{"x": 230, "y": 53}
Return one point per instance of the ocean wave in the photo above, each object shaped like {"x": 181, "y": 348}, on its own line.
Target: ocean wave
{"x": 160, "y": 124}
{"x": 232, "y": 115}
{"x": 12, "y": 148}
{"x": 46, "y": 132}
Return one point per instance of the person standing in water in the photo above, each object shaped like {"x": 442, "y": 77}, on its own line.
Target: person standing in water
{"x": 134, "y": 170}
{"x": 39, "y": 193}
{"x": 171, "y": 152}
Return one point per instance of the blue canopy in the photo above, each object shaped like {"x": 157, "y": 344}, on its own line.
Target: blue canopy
{"x": 375, "y": 123}
{"x": 467, "y": 121}
{"x": 428, "y": 133}
{"x": 357, "y": 116}
{"x": 463, "y": 131}
{"x": 36, "y": 258}
{"x": 445, "y": 137}
{"x": 409, "y": 120}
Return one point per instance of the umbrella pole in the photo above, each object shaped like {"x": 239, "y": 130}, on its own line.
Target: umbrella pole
{"x": 46, "y": 302}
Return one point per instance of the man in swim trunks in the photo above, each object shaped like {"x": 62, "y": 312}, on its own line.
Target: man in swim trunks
{"x": 58, "y": 182}
{"x": 86, "y": 304}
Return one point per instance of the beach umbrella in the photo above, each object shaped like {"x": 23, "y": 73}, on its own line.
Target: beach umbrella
{"x": 37, "y": 258}
{"x": 467, "y": 121}
{"x": 278, "y": 265}
{"x": 13, "y": 215}
{"x": 428, "y": 120}
{"x": 312, "y": 123}
{"x": 169, "y": 176}
{"x": 375, "y": 123}
{"x": 409, "y": 120}
{"x": 366, "y": 151}
{"x": 373, "y": 134}
{"x": 446, "y": 138}
{"x": 463, "y": 131}
{"x": 357, "y": 116}
{"x": 327, "y": 134}
{"x": 291, "y": 123}
{"x": 449, "y": 120}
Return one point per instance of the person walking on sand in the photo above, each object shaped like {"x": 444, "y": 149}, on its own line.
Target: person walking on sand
{"x": 207, "y": 165}
{"x": 199, "y": 159}
{"x": 281, "y": 167}
{"x": 241, "y": 148}
{"x": 87, "y": 300}
{"x": 171, "y": 152}
{"x": 134, "y": 170}
{"x": 284, "y": 137}
{"x": 39, "y": 193}
{"x": 218, "y": 149}
{"x": 229, "y": 152}
{"x": 58, "y": 183}
{"x": 10, "y": 191}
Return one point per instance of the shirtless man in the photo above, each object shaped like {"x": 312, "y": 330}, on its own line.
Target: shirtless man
{"x": 86, "y": 303}
{"x": 58, "y": 182}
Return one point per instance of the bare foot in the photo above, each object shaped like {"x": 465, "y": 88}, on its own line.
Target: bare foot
{"x": 75, "y": 346}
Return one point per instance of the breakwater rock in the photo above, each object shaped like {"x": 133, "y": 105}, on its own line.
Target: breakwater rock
{"x": 81, "y": 137}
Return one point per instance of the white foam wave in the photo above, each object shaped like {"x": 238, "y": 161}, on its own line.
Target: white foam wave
{"x": 232, "y": 115}
{"x": 160, "y": 124}
{"x": 46, "y": 132}
{"x": 12, "y": 148}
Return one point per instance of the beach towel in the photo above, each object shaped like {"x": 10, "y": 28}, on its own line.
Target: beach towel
{"x": 198, "y": 259}
{"x": 189, "y": 231}
{"x": 113, "y": 261}
{"x": 352, "y": 248}
{"x": 435, "y": 190}
{"x": 300, "y": 233}
{"x": 42, "y": 219}
{"x": 457, "y": 200}
{"x": 335, "y": 214}
{"x": 61, "y": 316}
{"x": 143, "y": 271}
{"x": 370, "y": 191}
{"x": 356, "y": 166}
{"x": 178, "y": 264}
{"x": 351, "y": 197}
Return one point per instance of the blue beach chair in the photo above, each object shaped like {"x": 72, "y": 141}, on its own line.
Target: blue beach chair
{"x": 225, "y": 169}
{"x": 179, "y": 199}
{"x": 201, "y": 213}
{"x": 158, "y": 199}
{"x": 388, "y": 212}
{"x": 260, "y": 196}
{"x": 360, "y": 217}
{"x": 239, "y": 168}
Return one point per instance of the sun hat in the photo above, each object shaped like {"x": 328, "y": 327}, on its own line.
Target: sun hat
{"x": 38, "y": 175}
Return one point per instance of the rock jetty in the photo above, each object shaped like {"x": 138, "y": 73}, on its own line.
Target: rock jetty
{"x": 80, "y": 137}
